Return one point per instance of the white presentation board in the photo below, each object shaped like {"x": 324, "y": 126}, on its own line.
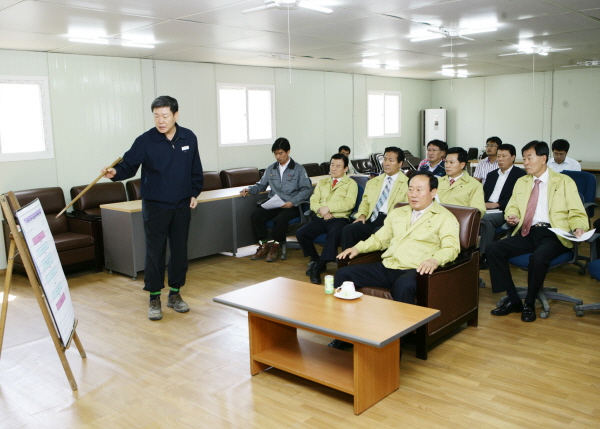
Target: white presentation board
{"x": 40, "y": 242}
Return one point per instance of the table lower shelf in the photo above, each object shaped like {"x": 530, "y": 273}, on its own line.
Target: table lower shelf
{"x": 316, "y": 362}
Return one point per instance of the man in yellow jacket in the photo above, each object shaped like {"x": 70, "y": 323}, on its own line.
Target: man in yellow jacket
{"x": 540, "y": 200}
{"x": 381, "y": 195}
{"x": 457, "y": 187}
{"x": 332, "y": 200}
{"x": 417, "y": 238}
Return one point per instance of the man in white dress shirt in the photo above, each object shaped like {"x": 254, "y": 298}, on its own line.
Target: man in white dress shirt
{"x": 486, "y": 165}
{"x": 561, "y": 161}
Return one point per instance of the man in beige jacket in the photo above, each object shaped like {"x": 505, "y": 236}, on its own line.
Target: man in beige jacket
{"x": 381, "y": 195}
{"x": 332, "y": 201}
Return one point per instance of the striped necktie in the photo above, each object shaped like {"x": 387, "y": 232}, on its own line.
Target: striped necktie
{"x": 382, "y": 198}
{"x": 530, "y": 210}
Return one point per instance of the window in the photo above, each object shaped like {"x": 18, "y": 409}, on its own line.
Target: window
{"x": 25, "y": 125}
{"x": 383, "y": 114}
{"x": 246, "y": 114}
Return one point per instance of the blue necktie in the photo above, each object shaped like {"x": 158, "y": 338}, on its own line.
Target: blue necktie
{"x": 382, "y": 198}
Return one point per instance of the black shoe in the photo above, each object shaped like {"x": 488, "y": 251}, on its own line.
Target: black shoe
{"x": 311, "y": 265}
{"x": 483, "y": 265}
{"x": 507, "y": 308}
{"x": 339, "y": 344}
{"x": 528, "y": 314}
{"x": 315, "y": 275}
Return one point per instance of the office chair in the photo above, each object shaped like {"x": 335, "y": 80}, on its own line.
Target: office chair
{"x": 594, "y": 270}
{"x": 586, "y": 185}
{"x": 546, "y": 293}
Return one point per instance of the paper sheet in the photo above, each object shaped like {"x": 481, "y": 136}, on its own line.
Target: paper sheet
{"x": 273, "y": 203}
{"x": 570, "y": 236}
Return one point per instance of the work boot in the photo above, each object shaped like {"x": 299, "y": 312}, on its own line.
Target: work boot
{"x": 176, "y": 303}
{"x": 154, "y": 311}
{"x": 261, "y": 252}
{"x": 273, "y": 252}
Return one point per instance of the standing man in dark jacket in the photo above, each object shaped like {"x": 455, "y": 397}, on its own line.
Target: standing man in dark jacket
{"x": 497, "y": 190}
{"x": 289, "y": 181}
{"x": 171, "y": 181}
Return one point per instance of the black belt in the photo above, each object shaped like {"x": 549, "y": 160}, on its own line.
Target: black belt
{"x": 541, "y": 225}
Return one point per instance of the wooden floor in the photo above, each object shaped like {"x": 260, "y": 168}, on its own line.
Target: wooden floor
{"x": 192, "y": 370}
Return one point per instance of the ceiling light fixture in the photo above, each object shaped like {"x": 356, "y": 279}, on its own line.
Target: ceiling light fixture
{"x": 136, "y": 45}
{"x": 93, "y": 41}
{"x": 441, "y": 32}
{"x": 454, "y": 73}
{"x": 527, "y": 50}
{"x": 289, "y": 4}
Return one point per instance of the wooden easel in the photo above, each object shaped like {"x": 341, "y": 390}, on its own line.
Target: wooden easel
{"x": 17, "y": 241}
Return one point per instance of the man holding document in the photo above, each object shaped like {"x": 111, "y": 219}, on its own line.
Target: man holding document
{"x": 541, "y": 200}
{"x": 289, "y": 183}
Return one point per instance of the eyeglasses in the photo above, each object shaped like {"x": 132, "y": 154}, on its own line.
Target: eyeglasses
{"x": 491, "y": 145}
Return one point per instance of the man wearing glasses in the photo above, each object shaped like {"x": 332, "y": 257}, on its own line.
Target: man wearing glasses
{"x": 489, "y": 164}
{"x": 436, "y": 152}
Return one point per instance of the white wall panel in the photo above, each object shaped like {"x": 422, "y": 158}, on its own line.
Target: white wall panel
{"x": 97, "y": 113}
{"x": 576, "y": 112}
{"x": 416, "y": 96}
{"x": 362, "y": 144}
{"x": 338, "y": 113}
{"x": 300, "y": 107}
{"x": 465, "y": 100}
{"x": 193, "y": 85}
{"x": 514, "y": 108}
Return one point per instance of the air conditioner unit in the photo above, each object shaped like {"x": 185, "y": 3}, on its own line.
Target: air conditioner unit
{"x": 433, "y": 126}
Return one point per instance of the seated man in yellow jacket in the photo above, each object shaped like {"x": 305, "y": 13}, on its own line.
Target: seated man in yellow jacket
{"x": 381, "y": 195}
{"x": 540, "y": 200}
{"x": 457, "y": 187}
{"x": 332, "y": 200}
{"x": 417, "y": 238}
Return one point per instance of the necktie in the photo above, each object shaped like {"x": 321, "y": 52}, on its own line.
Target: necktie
{"x": 452, "y": 182}
{"x": 334, "y": 182}
{"x": 531, "y": 206}
{"x": 382, "y": 198}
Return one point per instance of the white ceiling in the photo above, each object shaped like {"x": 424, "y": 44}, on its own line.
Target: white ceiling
{"x": 375, "y": 31}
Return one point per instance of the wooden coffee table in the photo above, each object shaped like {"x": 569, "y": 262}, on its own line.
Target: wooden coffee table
{"x": 276, "y": 308}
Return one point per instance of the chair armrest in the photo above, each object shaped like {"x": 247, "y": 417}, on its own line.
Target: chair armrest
{"x": 91, "y": 226}
{"x": 261, "y": 202}
{"x": 363, "y": 258}
{"x": 75, "y": 214}
{"x": 588, "y": 205}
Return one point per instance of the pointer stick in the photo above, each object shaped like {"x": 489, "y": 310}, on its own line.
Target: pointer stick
{"x": 88, "y": 187}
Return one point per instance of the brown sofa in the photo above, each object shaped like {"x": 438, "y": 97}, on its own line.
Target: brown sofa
{"x": 77, "y": 241}
{"x": 100, "y": 193}
{"x": 452, "y": 289}
{"x": 134, "y": 189}
{"x": 235, "y": 177}
{"x": 212, "y": 181}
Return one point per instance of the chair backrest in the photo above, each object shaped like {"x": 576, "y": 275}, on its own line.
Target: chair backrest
{"x": 411, "y": 162}
{"x": 376, "y": 160}
{"x": 212, "y": 181}
{"x": 468, "y": 220}
{"x": 235, "y": 177}
{"x": 361, "y": 180}
{"x": 52, "y": 201}
{"x": 363, "y": 165}
{"x": 134, "y": 189}
{"x": 361, "y": 191}
{"x": 586, "y": 185}
{"x": 100, "y": 193}
{"x": 313, "y": 169}
{"x": 325, "y": 168}
{"x": 473, "y": 153}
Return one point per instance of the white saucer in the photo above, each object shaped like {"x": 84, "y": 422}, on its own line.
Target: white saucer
{"x": 356, "y": 295}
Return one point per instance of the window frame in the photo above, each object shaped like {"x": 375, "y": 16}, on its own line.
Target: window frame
{"x": 384, "y": 93}
{"x": 48, "y": 152}
{"x": 247, "y": 87}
